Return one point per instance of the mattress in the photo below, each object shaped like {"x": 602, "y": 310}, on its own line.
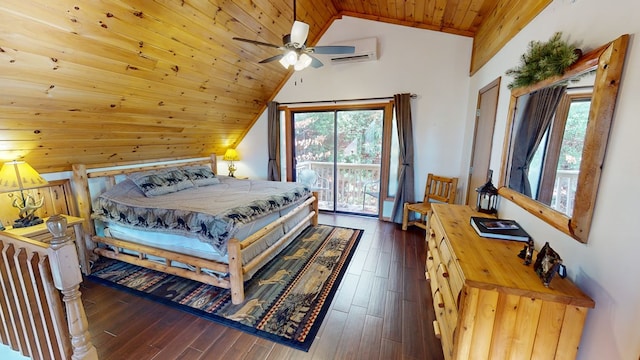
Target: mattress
{"x": 194, "y": 247}
{"x": 211, "y": 214}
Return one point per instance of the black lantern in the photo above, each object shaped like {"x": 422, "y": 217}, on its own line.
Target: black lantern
{"x": 487, "y": 197}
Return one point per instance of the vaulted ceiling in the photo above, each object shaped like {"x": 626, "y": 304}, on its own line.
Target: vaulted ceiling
{"x": 117, "y": 81}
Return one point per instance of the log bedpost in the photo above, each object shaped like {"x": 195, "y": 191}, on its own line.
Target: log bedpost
{"x": 80, "y": 189}
{"x": 236, "y": 275}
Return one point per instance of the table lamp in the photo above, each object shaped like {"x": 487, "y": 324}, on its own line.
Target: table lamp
{"x": 19, "y": 176}
{"x": 231, "y": 155}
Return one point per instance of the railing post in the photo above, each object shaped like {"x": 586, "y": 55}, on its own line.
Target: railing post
{"x": 63, "y": 258}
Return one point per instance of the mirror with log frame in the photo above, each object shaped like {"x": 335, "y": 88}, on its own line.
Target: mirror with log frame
{"x": 548, "y": 167}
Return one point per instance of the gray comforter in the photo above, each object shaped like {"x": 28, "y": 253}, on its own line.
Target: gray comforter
{"x": 209, "y": 213}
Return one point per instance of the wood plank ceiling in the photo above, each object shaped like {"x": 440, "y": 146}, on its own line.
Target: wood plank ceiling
{"x": 117, "y": 81}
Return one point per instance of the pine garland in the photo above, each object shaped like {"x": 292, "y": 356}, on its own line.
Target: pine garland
{"x": 542, "y": 61}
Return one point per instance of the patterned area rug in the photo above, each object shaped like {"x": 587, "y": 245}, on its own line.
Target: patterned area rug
{"x": 284, "y": 302}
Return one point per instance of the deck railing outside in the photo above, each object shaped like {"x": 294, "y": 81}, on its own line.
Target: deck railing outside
{"x": 357, "y": 184}
{"x": 349, "y": 188}
{"x": 564, "y": 191}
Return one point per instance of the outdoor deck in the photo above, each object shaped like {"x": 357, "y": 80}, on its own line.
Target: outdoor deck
{"x": 355, "y": 187}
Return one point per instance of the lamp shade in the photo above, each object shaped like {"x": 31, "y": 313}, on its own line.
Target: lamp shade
{"x": 231, "y": 155}
{"x": 303, "y": 61}
{"x": 18, "y": 175}
{"x": 299, "y": 33}
{"x": 290, "y": 58}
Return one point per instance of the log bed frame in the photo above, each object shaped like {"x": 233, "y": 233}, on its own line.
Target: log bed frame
{"x": 235, "y": 268}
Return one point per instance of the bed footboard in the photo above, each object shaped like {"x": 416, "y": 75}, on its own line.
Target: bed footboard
{"x": 235, "y": 247}
{"x": 235, "y": 269}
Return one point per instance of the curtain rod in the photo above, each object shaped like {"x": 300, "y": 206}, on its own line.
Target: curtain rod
{"x": 413, "y": 96}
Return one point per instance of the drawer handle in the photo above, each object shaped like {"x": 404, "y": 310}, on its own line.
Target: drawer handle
{"x": 436, "y": 329}
{"x": 429, "y": 256}
{"x": 437, "y": 297}
{"x": 445, "y": 273}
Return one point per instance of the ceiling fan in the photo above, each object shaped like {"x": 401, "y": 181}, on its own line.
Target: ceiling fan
{"x": 294, "y": 49}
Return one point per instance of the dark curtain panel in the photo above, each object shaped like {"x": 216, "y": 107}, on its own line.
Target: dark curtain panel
{"x": 273, "y": 132}
{"x": 406, "y": 192}
{"x": 536, "y": 118}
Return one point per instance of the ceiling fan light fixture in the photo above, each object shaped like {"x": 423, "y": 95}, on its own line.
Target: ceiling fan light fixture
{"x": 290, "y": 58}
{"x": 284, "y": 62}
{"x": 294, "y": 51}
{"x": 303, "y": 62}
{"x": 299, "y": 32}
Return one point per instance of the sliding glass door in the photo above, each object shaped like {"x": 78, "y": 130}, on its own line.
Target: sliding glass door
{"x": 339, "y": 153}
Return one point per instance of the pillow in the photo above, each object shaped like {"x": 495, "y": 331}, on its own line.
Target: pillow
{"x": 162, "y": 181}
{"x": 200, "y": 175}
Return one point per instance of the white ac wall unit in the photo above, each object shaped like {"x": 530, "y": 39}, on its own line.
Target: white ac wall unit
{"x": 366, "y": 50}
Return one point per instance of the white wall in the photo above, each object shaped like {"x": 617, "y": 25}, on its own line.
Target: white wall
{"x": 433, "y": 65}
{"x": 607, "y": 268}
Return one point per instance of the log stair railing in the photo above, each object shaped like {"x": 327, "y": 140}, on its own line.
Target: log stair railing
{"x": 40, "y": 306}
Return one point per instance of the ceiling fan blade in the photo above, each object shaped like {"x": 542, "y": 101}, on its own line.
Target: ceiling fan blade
{"x": 273, "y": 58}
{"x": 336, "y": 49}
{"x": 255, "y": 42}
{"x": 315, "y": 63}
{"x": 299, "y": 33}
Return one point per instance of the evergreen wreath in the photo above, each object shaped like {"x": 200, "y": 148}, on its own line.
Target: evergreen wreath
{"x": 542, "y": 61}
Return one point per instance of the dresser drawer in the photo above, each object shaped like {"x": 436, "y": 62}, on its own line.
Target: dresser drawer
{"x": 456, "y": 280}
{"x": 433, "y": 258}
{"x": 446, "y": 334}
{"x": 428, "y": 265}
{"x": 449, "y": 301}
{"x": 431, "y": 268}
{"x": 436, "y": 228}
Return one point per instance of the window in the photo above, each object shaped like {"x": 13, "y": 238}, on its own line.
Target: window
{"x": 554, "y": 171}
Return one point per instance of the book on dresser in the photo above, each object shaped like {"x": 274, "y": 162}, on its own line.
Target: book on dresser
{"x": 499, "y": 229}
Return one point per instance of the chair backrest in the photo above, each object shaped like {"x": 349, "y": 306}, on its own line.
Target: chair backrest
{"x": 440, "y": 188}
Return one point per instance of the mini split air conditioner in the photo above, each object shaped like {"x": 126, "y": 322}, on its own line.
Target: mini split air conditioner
{"x": 366, "y": 50}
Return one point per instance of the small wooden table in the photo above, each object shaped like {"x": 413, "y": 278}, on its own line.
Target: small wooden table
{"x": 41, "y": 233}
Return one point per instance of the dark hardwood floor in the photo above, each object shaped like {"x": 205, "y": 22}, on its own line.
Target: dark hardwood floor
{"x": 383, "y": 310}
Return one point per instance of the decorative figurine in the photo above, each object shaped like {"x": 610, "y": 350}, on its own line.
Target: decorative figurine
{"x": 547, "y": 264}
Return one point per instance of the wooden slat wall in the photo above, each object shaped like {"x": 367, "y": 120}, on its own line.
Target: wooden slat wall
{"x": 121, "y": 81}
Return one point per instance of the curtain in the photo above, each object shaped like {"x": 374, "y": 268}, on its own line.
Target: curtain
{"x": 406, "y": 191}
{"x": 273, "y": 134}
{"x": 534, "y": 122}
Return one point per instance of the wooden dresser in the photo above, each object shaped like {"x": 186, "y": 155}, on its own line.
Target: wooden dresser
{"x": 488, "y": 304}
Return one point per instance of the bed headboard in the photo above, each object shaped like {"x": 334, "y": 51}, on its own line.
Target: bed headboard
{"x": 82, "y": 174}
